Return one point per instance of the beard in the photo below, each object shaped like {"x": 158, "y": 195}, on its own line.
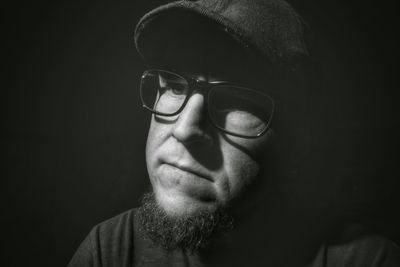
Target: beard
{"x": 190, "y": 233}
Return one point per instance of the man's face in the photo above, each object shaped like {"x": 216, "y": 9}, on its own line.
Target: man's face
{"x": 195, "y": 167}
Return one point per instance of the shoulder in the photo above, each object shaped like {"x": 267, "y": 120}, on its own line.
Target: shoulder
{"x": 117, "y": 226}
{"x": 108, "y": 242}
{"x": 356, "y": 246}
{"x": 114, "y": 237}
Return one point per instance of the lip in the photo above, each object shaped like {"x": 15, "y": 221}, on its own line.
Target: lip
{"x": 194, "y": 171}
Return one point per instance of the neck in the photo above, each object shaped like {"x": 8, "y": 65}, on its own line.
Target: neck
{"x": 277, "y": 231}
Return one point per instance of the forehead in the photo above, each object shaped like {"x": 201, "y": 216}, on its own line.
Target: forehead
{"x": 213, "y": 55}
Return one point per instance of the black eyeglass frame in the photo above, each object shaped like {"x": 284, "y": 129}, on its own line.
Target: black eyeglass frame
{"x": 195, "y": 84}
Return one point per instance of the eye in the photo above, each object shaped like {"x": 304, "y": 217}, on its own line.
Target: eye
{"x": 176, "y": 89}
{"x": 172, "y": 87}
{"x": 240, "y": 110}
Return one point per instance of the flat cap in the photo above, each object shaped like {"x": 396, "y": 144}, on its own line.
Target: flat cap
{"x": 269, "y": 29}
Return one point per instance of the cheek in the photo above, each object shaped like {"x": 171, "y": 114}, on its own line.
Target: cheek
{"x": 151, "y": 143}
{"x": 242, "y": 159}
{"x": 240, "y": 169}
{"x": 157, "y": 133}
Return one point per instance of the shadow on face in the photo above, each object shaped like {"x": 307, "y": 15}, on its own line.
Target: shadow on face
{"x": 191, "y": 144}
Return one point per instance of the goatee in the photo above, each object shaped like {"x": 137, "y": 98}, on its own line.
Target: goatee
{"x": 187, "y": 232}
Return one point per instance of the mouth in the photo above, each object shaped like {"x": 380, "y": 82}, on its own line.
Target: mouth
{"x": 192, "y": 171}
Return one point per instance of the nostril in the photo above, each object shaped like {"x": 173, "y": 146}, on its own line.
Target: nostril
{"x": 186, "y": 133}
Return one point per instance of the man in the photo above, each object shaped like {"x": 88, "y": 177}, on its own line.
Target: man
{"x": 227, "y": 90}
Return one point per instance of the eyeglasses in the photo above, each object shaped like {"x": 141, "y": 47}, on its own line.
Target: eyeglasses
{"x": 234, "y": 110}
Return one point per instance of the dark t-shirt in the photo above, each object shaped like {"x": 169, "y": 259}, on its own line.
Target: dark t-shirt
{"x": 120, "y": 242}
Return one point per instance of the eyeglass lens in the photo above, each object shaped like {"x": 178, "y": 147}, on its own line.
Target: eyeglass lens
{"x": 235, "y": 109}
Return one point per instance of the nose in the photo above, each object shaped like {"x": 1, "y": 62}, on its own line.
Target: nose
{"x": 191, "y": 125}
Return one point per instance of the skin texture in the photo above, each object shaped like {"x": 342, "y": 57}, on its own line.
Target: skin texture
{"x": 194, "y": 167}
{"x": 200, "y": 175}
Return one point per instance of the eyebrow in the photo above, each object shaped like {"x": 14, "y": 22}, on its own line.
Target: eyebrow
{"x": 209, "y": 78}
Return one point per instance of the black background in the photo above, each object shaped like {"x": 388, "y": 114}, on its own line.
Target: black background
{"x": 74, "y": 132}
